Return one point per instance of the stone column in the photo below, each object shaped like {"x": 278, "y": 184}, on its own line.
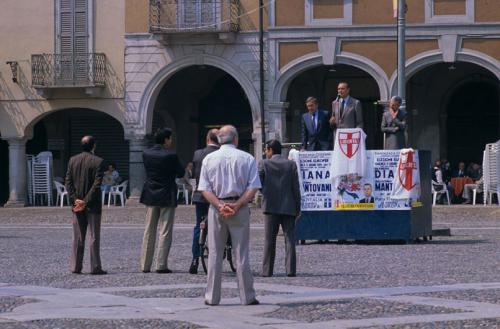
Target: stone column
{"x": 276, "y": 116}
{"x": 17, "y": 173}
{"x": 137, "y": 174}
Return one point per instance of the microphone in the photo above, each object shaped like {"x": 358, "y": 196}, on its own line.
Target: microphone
{"x": 338, "y": 97}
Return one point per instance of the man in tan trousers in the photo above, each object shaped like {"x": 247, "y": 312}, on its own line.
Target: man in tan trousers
{"x": 159, "y": 194}
{"x": 229, "y": 181}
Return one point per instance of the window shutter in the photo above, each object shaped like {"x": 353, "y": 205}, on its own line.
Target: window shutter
{"x": 80, "y": 34}
{"x": 63, "y": 62}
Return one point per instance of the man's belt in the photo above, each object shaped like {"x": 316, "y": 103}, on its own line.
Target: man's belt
{"x": 230, "y": 198}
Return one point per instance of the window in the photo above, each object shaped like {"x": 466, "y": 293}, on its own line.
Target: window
{"x": 328, "y": 12}
{"x": 198, "y": 13}
{"x": 449, "y": 11}
{"x": 73, "y": 38}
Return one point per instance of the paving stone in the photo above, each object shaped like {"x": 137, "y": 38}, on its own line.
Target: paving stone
{"x": 101, "y": 324}
{"x": 485, "y": 296}
{"x": 185, "y": 293}
{"x": 463, "y": 324}
{"x": 352, "y": 309}
{"x": 8, "y": 303}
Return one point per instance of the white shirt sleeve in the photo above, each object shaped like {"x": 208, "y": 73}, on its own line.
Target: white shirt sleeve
{"x": 253, "y": 176}
{"x": 204, "y": 184}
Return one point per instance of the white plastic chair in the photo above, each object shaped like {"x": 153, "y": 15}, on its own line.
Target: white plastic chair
{"x": 118, "y": 190}
{"x": 182, "y": 190}
{"x": 61, "y": 193}
{"x": 192, "y": 182}
{"x": 442, "y": 190}
{"x": 492, "y": 192}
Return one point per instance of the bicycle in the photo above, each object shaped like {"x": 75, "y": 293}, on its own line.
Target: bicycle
{"x": 203, "y": 243}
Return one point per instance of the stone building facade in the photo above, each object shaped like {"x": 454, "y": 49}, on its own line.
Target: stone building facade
{"x": 194, "y": 64}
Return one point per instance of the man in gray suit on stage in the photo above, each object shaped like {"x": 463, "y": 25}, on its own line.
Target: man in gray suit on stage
{"x": 346, "y": 110}
{"x": 281, "y": 191}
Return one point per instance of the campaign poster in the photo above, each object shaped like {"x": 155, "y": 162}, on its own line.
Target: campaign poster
{"x": 315, "y": 180}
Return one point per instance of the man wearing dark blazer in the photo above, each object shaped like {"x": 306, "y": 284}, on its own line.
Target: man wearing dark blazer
{"x": 315, "y": 130}
{"x": 201, "y": 205}
{"x": 159, "y": 194}
{"x": 346, "y": 111}
{"x": 367, "y": 190}
{"x": 281, "y": 204}
{"x": 83, "y": 181}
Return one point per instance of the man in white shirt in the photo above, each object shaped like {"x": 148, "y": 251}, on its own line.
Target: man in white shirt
{"x": 229, "y": 181}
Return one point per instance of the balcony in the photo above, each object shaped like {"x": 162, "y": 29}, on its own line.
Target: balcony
{"x": 193, "y": 16}
{"x": 57, "y": 71}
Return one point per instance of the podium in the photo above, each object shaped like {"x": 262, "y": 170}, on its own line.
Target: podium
{"x": 373, "y": 225}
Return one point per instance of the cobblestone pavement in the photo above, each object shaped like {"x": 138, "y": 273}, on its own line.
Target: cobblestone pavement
{"x": 449, "y": 282}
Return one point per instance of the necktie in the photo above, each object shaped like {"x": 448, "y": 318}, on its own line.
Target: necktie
{"x": 341, "y": 108}
{"x": 314, "y": 122}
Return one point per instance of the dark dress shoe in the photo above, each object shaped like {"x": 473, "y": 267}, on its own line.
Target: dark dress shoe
{"x": 291, "y": 275}
{"x": 76, "y": 272}
{"x": 266, "y": 275}
{"x": 146, "y": 271}
{"x": 164, "y": 271}
{"x": 208, "y": 304}
{"x": 193, "y": 269}
{"x": 254, "y": 302}
{"x": 98, "y": 272}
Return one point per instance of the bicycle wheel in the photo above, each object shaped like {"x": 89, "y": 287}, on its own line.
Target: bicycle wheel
{"x": 204, "y": 258}
{"x": 229, "y": 253}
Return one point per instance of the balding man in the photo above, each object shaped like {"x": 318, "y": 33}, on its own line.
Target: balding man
{"x": 229, "y": 181}
{"x": 346, "y": 110}
{"x": 83, "y": 181}
{"x": 200, "y": 203}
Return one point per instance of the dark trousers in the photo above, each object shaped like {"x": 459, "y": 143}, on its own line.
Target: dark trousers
{"x": 201, "y": 211}
{"x": 271, "y": 228}
{"x": 82, "y": 221}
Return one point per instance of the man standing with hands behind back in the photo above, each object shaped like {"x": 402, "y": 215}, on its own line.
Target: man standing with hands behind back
{"x": 346, "y": 110}
{"x": 229, "y": 181}
{"x": 281, "y": 191}
{"x": 83, "y": 181}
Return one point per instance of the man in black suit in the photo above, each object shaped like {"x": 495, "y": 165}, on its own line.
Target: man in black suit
{"x": 346, "y": 110}
{"x": 159, "y": 194}
{"x": 200, "y": 203}
{"x": 315, "y": 129}
{"x": 83, "y": 181}
{"x": 367, "y": 190}
{"x": 281, "y": 191}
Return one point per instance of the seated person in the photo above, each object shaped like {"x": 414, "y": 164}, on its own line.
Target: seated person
{"x": 437, "y": 180}
{"x": 466, "y": 194}
{"x": 460, "y": 172}
{"x": 188, "y": 174}
{"x": 475, "y": 171}
{"x": 111, "y": 178}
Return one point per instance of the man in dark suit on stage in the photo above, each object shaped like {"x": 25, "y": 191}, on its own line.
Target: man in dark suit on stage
{"x": 367, "y": 191}
{"x": 346, "y": 110}
{"x": 281, "y": 191}
{"x": 159, "y": 194}
{"x": 83, "y": 182}
{"x": 201, "y": 204}
{"x": 315, "y": 130}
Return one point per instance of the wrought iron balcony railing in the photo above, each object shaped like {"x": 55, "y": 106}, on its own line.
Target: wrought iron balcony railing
{"x": 68, "y": 70}
{"x": 193, "y": 16}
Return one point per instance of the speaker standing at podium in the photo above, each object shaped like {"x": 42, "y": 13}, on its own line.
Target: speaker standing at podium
{"x": 346, "y": 110}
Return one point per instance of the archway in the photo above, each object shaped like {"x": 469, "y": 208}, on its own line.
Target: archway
{"x": 60, "y": 132}
{"x": 453, "y": 110}
{"x": 321, "y": 82}
{"x": 198, "y": 98}
{"x": 4, "y": 171}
